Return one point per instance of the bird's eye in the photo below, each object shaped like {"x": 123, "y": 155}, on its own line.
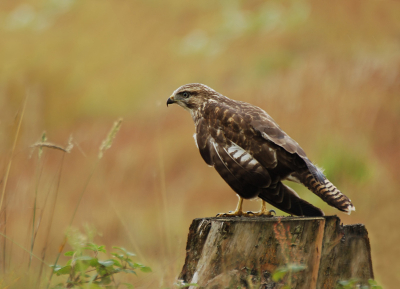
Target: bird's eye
{"x": 185, "y": 94}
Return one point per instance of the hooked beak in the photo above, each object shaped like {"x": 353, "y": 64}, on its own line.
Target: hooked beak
{"x": 170, "y": 100}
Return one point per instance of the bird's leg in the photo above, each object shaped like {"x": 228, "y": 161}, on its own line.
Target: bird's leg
{"x": 264, "y": 211}
{"x": 237, "y": 212}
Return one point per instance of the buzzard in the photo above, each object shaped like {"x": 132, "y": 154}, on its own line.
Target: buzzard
{"x": 253, "y": 154}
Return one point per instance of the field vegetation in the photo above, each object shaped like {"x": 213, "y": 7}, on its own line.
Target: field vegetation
{"x": 327, "y": 72}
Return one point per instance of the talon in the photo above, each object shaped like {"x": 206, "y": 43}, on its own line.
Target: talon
{"x": 238, "y": 212}
{"x": 264, "y": 212}
{"x": 269, "y": 213}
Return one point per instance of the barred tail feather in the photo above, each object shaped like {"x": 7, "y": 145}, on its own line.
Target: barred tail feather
{"x": 286, "y": 199}
{"x": 329, "y": 193}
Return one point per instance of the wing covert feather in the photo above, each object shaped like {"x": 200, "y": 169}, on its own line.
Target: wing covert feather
{"x": 270, "y": 130}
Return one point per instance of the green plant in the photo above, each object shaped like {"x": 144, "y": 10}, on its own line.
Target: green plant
{"x": 84, "y": 270}
{"x": 354, "y": 283}
{"x": 281, "y": 272}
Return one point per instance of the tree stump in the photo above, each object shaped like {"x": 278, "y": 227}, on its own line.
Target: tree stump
{"x": 244, "y": 252}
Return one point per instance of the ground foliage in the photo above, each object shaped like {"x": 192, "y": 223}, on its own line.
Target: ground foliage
{"x": 327, "y": 73}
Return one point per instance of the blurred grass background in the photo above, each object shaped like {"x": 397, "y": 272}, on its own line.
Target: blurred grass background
{"x": 328, "y": 73}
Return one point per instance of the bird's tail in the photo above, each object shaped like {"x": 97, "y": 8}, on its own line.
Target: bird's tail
{"x": 328, "y": 192}
{"x": 286, "y": 199}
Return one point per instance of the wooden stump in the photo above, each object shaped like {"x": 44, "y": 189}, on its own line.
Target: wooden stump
{"x": 245, "y": 252}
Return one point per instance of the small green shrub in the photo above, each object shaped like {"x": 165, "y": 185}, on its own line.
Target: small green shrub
{"x": 86, "y": 271}
{"x": 279, "y": 274}
{"x": 354, "y": 284}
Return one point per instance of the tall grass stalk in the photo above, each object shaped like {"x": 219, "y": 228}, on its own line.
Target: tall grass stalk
{"x": 22, "y": 247}
{"x": 39, "y": 174}
{"x": 6, "y": 180}
{"x": 106, "y": 144}
{"x": 51, "y": 218}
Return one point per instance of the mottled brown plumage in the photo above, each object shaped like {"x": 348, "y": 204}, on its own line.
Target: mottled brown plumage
{"x": 252, "y": 153}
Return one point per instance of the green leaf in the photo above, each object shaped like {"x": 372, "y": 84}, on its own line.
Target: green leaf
{"x": 69, "y": 253}
{"x": 279, "y": 274}
{"x": 90, "y": 246}
{"x": 93, "y": 278}
{"x": 107, "y": 263}
{"x": 63, "y": 270}
{"x": 93, "y": 247}
{"x": 101, "y": 270}
{"x": 129, "y": 271}
{"x": 105, "y": 280}
{"x": 344, "y": 282}
{"x": 81, "y": 266}
{"x": 117, "y": 263}
{"x": 124, "y": 250}
{"x": 94, "y": 262}
{"x": 374, "y": 284}
{"x": 119, "y": 256}
{"x": 101, "y": 248}
{"x": 145, "y": 269}
{"x": 130, "y": 286}
{"x": 84, "y": 258}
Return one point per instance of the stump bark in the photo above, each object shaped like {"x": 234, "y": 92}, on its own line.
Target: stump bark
{"x": 245, "y": 252}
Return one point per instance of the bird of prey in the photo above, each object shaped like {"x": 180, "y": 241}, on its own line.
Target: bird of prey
{"x": 253, "y": 154}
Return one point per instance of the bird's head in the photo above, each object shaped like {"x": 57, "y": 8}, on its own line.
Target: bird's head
{"x": 192, "y": 96}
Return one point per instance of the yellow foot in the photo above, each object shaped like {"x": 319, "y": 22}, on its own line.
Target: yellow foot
{"x": 236, "y": 214}
{"x": 239, "y": 212}
{"x": 264, "y": 213}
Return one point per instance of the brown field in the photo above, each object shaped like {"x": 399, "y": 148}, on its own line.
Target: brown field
{"x": 327, "y": 72}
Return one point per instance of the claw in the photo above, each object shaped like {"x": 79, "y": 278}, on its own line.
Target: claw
{"x": 264, "y": 212}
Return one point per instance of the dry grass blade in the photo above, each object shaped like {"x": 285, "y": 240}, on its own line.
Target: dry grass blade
{"x": 106, "y": 144}
{"x": 12, "y": 154}
{"x": 23, "y": 248}
{"x": 53, "y": 146}
{"x": 6, "y": 180}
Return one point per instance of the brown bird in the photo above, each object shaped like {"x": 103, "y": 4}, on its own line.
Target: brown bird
{"x": 253, "y": 154}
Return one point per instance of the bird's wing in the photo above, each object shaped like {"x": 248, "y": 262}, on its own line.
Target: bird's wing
{"x": 237, "y": 167}
{"x": 268, "y": 129}
{"x": 244, "y": 174}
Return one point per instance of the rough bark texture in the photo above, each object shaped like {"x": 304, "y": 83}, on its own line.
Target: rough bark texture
{"x": 245, "y": 252}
